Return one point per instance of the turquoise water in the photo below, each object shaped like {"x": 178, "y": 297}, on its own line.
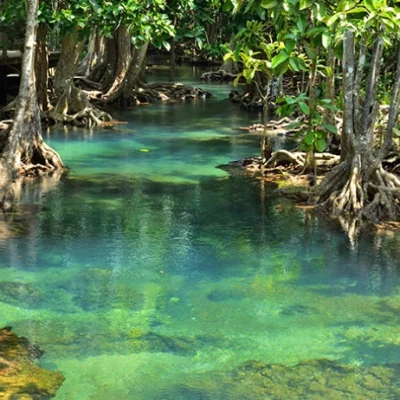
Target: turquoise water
{"x": 147, "y": 270}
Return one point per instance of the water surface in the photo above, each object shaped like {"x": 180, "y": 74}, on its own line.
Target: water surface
{"x": 147, "y": 270}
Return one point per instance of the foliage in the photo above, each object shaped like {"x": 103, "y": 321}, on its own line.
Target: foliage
{"x": 314, "y": 135}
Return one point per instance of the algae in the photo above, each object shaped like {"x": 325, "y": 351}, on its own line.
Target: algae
{"x": 20, "y": 378}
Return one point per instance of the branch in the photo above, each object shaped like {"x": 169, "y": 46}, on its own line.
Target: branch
{"x": 373, "y": 75}
{"x": 348, "y": 87}
{"x": 357, "y": 86}
{"x": 393, "y": 112}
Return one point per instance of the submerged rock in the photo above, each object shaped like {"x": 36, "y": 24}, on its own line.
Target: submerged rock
{"x": 314, "y": 379}
{"x": 154, "y": 342}
{"x": 20, "y": 378}
{"x": 19, "y": 293}
{"x": 297, "y": 310}
{"x": 217, "y": 295}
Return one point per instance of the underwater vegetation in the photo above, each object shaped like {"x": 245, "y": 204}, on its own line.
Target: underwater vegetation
{"x": 311, "y": 380}
{"x": 20, "y": 378}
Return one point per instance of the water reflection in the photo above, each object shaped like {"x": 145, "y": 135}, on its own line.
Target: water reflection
{"x": 147, "y": 274}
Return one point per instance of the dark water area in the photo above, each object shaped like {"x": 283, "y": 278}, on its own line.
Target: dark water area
{"x": 148, "y": 273}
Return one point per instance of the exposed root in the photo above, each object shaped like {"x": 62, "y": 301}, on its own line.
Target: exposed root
{"x": 86, "y": 84}
{"x": 284, "y": 126}
{"x": 158, "y": 92}
{"x": 29, "y": 155}
{"x": 286, "y": 161}
{"x": 298, "y": 160}
{"x": 251, "y": 101}
{"x": 4, "y": 125}
{"x": 386, "y": 196}
{"x": 348, "y": 190}
{"x": 177, "y": 91}
{"x": 351, "y": 198}
{"x": 283, "y": 157}
{"x": 220, "y": 75}
{"x": 74, "y": 108}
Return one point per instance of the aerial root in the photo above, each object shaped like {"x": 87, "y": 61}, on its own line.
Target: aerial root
{"x": 74, "y": 108}
{"x": 286, "y": 157}
{"x": 298, "y": 159}
{"x": 385, "y": 203}
{"x": 171, "y": 91}
{"x": 39, "y": 160}
{"x": 346, "y": 192}
{"x": 351, "y": 198}
{"x": 154, "y": 93}
{"x": 284, "y": 126}
{"x": 219, "y": 75}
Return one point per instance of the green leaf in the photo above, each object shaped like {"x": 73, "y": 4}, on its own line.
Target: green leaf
{"x": 268, "y": 4}
{"x": 294, "y": 63}
{"x": 356, "y": 10}
{"x": 330, "y": 107}
{"x": 279, "y": 59}
{"x": 310, "y": 51}
{"x": 290, "y": 100}
{"x": 305, "y": 4}
{"x": 326, "y": 39}
{"x": 302, "y": 64}
{"x": 281, "y": 68}
{"x": 320, "y": 144}
{"x": 304, "y": 107}
{"x": 249, "y": 5}
{"x": 260, "y": 12}
{"x": 249, "y": 74}
{"x": 144, "y": 150}
{"x": 289, "y": 45}
{"x": 396, "y": 132}
{"x": 309, "y": 138}
{"x": 166, "y": 45}
{"x": 330, "y": 128}
{"x": 333, "y": 19}
{"x": 301, "y": 24}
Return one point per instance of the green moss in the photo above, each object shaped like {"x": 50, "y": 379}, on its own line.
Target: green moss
{"x": 21, "y": 378}
{"x": 314, "y": 379}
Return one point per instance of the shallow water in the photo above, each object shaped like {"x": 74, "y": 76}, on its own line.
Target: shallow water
{"x": 147, "y": 270}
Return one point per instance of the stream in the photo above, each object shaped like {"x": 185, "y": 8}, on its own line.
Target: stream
{"x": 148, "y": 273}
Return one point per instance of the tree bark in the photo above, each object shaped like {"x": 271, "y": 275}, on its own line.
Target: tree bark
{"x": 359, "y": 187}
{"x": 172, "y": 61}
{"x": 73, "y": 105}
{"x": 86, "y": 64}
{"x": 124, "y": 94}
{"x": 329, "y": 115}
{"x": 347, "y": 138}
{"x": 42, "y": 68}
{"x": 121, "y": 58}
{"x": 393, "y": 112}
{"x": 71, "y": 48}
{"x": 25, "y": 150}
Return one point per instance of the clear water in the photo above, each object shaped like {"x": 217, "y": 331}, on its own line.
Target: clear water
{"x": 146, "y": 267}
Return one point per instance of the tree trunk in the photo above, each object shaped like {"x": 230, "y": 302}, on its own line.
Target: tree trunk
{"x": 71, "y": 49}
{"x": 121, "y": 58}
{"x": 25, "y": 150}
{"x": 86, "y": 64}
{"x": 359, "y": 186}
{"x": 42, "y": 69}
{"x": 172, "y": 61}
{"x": 230, "y": 66}
{"x": 73, "y": 105}
{"x": 329, "y": 115}
{"x": 124, "y": 95}
{"x": 100, "y": 60}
